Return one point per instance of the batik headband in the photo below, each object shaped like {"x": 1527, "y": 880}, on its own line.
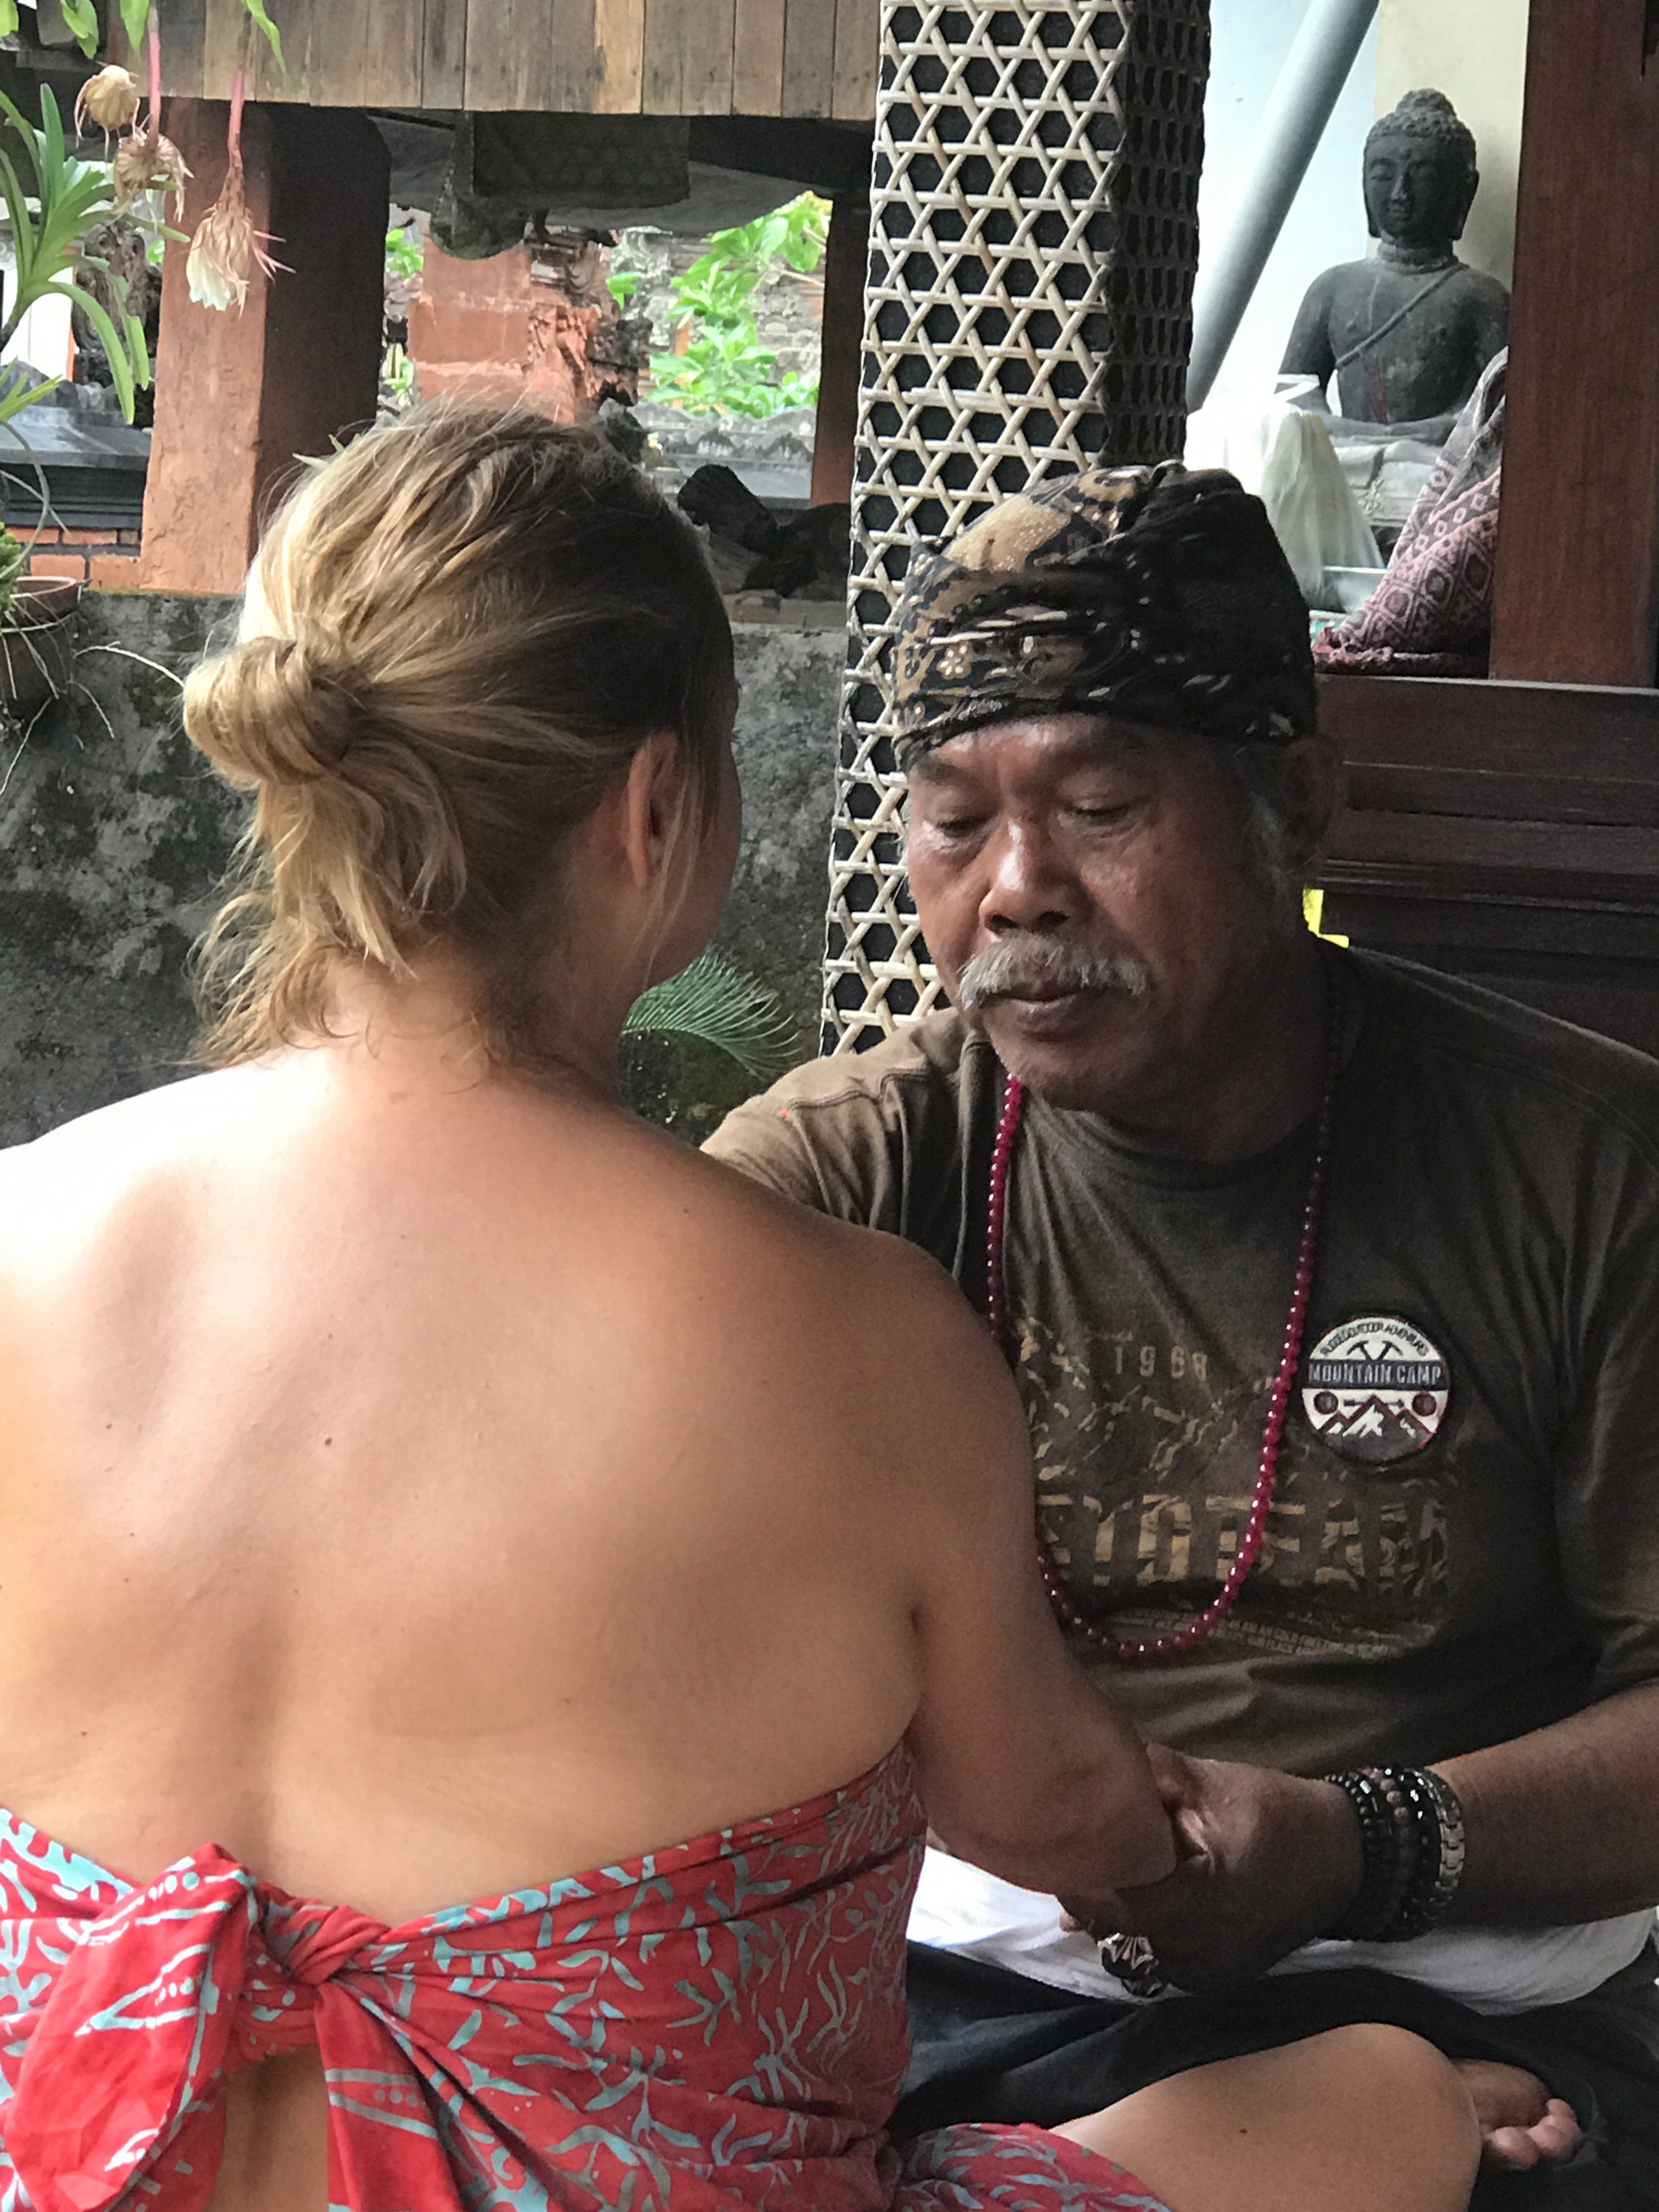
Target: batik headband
{"x": 1151, "y": 595}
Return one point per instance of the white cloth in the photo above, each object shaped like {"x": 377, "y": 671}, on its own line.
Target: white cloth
{"x": 960, "y": 1908}
{"x": 1283, "y": 454}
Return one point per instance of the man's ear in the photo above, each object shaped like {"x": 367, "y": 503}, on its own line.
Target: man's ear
{"x": 1318, "y": 789}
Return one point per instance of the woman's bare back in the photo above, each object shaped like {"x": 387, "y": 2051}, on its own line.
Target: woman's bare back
{"x": 400, "y": 1486}
{"x": 423, "y": 1492}
{"x": 425, "y": 1484}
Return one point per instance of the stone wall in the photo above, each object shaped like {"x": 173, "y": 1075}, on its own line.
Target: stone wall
{"x": 114, "y": 835}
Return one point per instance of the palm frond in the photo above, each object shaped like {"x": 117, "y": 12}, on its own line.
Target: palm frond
{"x": 715, "y": 1003}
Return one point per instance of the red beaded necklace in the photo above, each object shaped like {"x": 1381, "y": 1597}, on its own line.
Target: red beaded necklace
{"x": 1163, "y": 1648}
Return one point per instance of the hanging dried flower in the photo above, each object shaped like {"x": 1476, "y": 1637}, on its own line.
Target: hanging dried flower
{"x": 110, "y": 100}
{"x": 144, "y": 159}
{"x": 227, "y": 249}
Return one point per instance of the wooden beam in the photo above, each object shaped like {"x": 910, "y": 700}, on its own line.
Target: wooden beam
{"x": 183, "y": 49}
{"x": 764, "y": 57}
{"x": 226, "y": 36}
{"x": 664, "y": 57}
{"x": 509, "y": 48}
{"x": 846, "y": 271}
{"x": 297, "y": 79}
{"x": 239, "y": 396}
{"x": 1504, "y": 832}
{"x": 1576, "y": 598}
{"x": 546, "y": 47}
{"x": 222, "y": 41}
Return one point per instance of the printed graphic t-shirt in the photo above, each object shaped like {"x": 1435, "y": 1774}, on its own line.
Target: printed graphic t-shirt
{"x": 1464, "y": 1539}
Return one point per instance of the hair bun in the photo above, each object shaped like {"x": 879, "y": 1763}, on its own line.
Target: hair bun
{"x": 276, "y": 709}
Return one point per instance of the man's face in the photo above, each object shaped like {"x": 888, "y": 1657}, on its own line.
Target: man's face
{"x": 1090, "y": 894}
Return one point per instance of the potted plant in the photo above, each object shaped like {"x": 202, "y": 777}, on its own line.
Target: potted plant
{"x": 53, "y": 200}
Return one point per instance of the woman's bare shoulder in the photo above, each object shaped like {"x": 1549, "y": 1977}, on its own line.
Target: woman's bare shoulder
{"x": 760, "y": 1220}
{"x": 62, "y": 1180}
{"x": 882, "y": 1314}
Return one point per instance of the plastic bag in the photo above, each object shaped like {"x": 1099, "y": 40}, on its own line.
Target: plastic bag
{"x": 1284, "y": 455}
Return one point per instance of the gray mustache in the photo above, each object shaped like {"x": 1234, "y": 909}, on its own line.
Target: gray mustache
{"x": 1021, "y": 968}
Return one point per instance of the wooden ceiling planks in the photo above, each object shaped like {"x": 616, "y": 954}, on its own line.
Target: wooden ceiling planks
{"x": 619, "y": 57}
{"x": 781, "y": 57}
{"x": 858, "y": 58}
{"x": 689, "y": 51}
{"x": 757, "y": 57}
{"x": 809, "y": 57}
{"x": 504, "y": 60}
{"x": 443, "y": 53}
{"x": 342, "y": 37}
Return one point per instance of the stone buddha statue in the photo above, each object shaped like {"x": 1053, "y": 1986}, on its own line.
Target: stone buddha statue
{"x": 1407, "y": 333}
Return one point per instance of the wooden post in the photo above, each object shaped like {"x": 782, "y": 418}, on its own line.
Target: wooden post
{"x": 845, "y": 266}
{"x": 239, "y": 395}
{"x": 1576, "y": 598}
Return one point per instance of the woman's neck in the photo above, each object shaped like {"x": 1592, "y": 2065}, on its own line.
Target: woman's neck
{"x": 430, "y": 1025}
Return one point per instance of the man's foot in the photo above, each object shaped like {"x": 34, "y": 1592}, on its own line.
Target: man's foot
{"x": 1522, "y": 2126}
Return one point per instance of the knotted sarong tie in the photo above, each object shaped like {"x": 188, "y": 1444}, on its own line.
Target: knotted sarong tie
{"x": 715, "y": 2026}
{"x": 163, "y": 1997}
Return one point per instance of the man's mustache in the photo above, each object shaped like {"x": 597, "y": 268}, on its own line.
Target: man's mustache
{"x": 1043, "y": 967}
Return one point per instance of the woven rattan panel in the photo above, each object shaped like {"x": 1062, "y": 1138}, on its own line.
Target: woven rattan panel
{"x": 1034, "y": 239}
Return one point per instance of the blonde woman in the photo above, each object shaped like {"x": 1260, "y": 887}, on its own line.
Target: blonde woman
{"x": 423, "y": 1484}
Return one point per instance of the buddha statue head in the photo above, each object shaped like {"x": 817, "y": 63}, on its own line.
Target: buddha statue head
{"x": 1421, "y": 176}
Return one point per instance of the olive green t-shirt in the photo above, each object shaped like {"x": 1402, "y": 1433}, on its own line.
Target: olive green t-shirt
{"x": 1464, "y": 1538}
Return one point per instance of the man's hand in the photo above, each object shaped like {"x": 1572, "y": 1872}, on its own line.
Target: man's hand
{"x": 1267, "y": 1862}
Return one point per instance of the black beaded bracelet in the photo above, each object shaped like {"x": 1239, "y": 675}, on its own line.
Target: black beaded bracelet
{"x": 1368, "y": 1915}
{"x": 1410, "y": 1837}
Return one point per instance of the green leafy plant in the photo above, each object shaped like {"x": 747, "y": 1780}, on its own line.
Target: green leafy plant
{"x": 712, "y": 1002}
{"x": 49, "y": 211}
{"x": 52, "y": 202}
{"x": 397, "y": 380}
{"x": 725, "y": 368}
{"x": 404, "y": 256}
{"x": 226, "y": 251}
{"x": 13, "y": 554}
{"x": 81, "y": 16}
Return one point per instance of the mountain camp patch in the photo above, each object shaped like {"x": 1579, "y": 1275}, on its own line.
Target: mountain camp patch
{"x": 1375, "y": 1389}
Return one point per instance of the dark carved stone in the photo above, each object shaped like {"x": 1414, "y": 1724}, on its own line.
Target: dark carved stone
{"x": 1407, "y": 334}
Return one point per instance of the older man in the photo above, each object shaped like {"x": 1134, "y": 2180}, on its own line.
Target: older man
{"x": 1332, "y": 1288}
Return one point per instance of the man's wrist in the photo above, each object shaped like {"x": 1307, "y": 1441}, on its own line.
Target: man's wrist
{"x": 1337, "y": 1853}
{"x": 1409, "y": 1825}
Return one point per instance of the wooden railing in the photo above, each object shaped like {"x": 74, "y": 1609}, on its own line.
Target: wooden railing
{"x": 1509, "y": 832}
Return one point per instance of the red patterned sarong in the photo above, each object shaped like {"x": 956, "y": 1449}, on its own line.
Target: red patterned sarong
{"x": 718, "y": 2024}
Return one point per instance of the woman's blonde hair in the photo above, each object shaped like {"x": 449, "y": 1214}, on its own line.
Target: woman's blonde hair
{"x": 459, "y": 631}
